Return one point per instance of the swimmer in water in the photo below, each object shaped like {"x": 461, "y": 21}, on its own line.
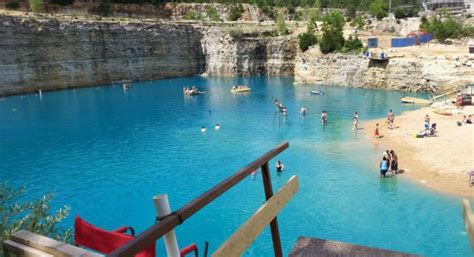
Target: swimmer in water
{"x": 279, "y": 166}
{"x": 303, "y": 110}
{"x": 217, "y": 127}
{"x": 355, "y": 119}
{"x": 203, "y": 129}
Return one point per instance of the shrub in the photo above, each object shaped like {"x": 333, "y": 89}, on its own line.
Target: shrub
{"x": 268, "y": 11}
{"x": 358, "y": 22}
{"x": 351, "y": 11}
{"x": 192, "y": 15}
{"x": 12, "y": 5}
{"x": 212, "y": 13}
{"x": 443, "y": 30}
{"x": 379, "y": 9}
{"x": 400, "y": 13}
{"x": 32, "y": 216}
{"x": 37, "y": 5}
{"x": 307, "y": 39}
{"x": 281, "y": 25}
{"x": 352, "y": 45}
{"x": 105, "y": 8}
{"x": 235, "y": 12}
{"x": 62, "y": 2}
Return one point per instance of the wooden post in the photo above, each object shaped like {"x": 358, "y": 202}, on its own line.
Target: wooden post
{"x": 267, "y": 184}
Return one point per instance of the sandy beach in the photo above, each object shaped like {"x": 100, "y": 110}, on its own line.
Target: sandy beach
{"x": 442, "y": 162}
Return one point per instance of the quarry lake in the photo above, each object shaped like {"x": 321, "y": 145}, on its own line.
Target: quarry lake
{"x": 106, "y": 151}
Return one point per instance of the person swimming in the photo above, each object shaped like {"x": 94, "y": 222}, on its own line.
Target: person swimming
{"x": 303, "y": 110}
{"x": 217, "y": 127}
{"x": 279, "y": 166}
{"x": 203, "y": 129}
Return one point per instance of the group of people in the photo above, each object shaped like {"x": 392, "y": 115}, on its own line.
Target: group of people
{"x": 190, "y": 91}
{"x": 389, "y": 163}
{"x": 281, "y": 108}
{"x": 465, "y": 120}
{"x": 240, "y": 87}
{"x": 216, "y": 127}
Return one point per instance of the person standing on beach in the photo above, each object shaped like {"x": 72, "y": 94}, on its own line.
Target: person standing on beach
{"x": 427, "y": 121}
{"x": 376, "y": 133}
{"x": 390, "y": 119}
{"x": 383, "y": 167}
{"x": 355, "y": 119}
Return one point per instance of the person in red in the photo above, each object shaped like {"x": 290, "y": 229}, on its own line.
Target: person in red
{"x": 376, "y": 132}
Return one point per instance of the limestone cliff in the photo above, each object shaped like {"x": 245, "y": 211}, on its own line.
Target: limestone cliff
{"x": 426, "y": 74}
{"x": 239, "y": 53}
{"x": 51, "y": 55}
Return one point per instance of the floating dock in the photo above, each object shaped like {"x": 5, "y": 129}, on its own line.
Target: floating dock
{"x": 414, "y": 100}
{"x": 306, "y": 247}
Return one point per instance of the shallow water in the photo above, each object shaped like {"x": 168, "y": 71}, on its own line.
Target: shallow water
{"x": 106, "y": 152}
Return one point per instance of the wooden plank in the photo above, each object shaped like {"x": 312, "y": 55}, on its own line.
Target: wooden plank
{"x": 308, "y": 247}
{"x": 468, "y": 220}
{"x": 14, "y": 249}
{"x": 49, "y": 245}
{"x": 249, "y": 231}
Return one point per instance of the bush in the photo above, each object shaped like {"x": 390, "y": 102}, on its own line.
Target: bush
{"x": 32, "y": 216}
{"x": 443, "y": 30}
{"x": 379, "y": 9}
{"x": 352, "y": 45}
{"x": 268, "y": 11}
{"x": 400, "y": 13}
{"x": 351, "y": 11}
{"x": 105, "y": 8}
{"x": 235, "y": 12}
{"x": 281, "y": 25}
{"x": 358, "y": 22}
{"x": 212, "y": 13}
{"x": 12, "y": 5}
{"x": 37, "y": 5}
{"x": 307, "y": 39}
{"x": 62, "y": 2}
{"x": 192, "y": 15}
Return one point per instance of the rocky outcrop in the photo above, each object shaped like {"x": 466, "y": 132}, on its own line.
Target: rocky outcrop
{"x": 54, "y": 55}
{"x": 425, "y": 74}
{"x": 230, "y": 53}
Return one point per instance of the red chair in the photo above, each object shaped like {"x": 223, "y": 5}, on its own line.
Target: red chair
{"x": 103, "y": 241}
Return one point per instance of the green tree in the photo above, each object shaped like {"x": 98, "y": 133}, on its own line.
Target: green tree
{"x": 333, "y": 38}
{"x": 352, "y": 45}
{"x": 443, "y": 30}
{"x": 281, "y": 25}
{"x": 37, "y": 5}
{"x": 379, "y": 9}
{"x": 400, "y": 13}
{"x": 312, "y": 18}
{"x": 32, "y": 216}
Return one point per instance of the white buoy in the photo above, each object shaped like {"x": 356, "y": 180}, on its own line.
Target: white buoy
{"x": 40, "y": 94}
{"x": 163, "y": 208}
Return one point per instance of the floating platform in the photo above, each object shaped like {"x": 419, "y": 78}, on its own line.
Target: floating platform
{"x": 306, "y": 247}
{"x": 414, "y": 100}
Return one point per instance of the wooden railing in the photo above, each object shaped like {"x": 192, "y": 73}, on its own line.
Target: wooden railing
{"x": 468, "y": 220}
{"x": 176, "y": 218}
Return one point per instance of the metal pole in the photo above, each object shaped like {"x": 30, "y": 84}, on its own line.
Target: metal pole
{"x": 267, "y": 184}
{"x": 163, "y": 208}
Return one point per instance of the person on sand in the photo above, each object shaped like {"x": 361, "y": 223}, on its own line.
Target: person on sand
{"x": 383, "y": 167}
{"x": 279, "y": 166}
{"x": 393, "y": 162}
{"x": 355, "y": 119}
{"x": 469, "y": 119}
{"x": 427, "y": 121}
{"x": 390, "y": 119}
{"x": 376, "y": 132}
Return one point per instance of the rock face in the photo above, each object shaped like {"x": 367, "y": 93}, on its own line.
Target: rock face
{"x": 55, "y": 55}
{"x": 425, "y": 74}
{"x": 239, "y": 53}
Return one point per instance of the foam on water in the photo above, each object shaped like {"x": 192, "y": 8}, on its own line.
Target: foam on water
{"x": 105, "y": 152}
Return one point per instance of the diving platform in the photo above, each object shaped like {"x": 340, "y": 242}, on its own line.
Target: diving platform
{"x": 306, "y": 247}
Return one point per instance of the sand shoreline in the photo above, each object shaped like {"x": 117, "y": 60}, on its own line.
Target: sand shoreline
{"x": 440, "y": 163}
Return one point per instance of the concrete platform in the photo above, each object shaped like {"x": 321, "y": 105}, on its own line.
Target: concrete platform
{"x": 306, "y": 246}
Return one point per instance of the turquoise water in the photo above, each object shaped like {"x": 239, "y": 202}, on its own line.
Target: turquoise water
{"x": 106, "y": 152}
